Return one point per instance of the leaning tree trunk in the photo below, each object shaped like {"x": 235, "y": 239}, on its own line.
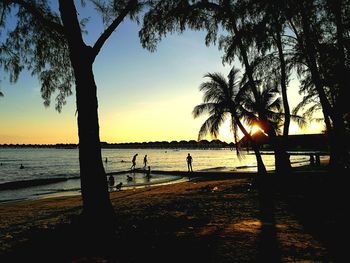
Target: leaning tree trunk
{"x": 259, "y": 160}
{"x": 281, "y": 157}
{"x": 97, "y": 208}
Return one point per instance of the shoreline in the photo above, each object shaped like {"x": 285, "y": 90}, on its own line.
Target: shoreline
{"x": 37, "y": 184}
{"x": 179, "y": 177}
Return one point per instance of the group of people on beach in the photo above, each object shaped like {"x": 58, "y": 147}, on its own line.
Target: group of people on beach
{"x": 133, "y": 162}
{"x": 111, "y": 181}
{"x": 189, "y": 160}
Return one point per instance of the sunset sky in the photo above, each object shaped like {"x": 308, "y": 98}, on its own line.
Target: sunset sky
{"x": 142, "y": 96}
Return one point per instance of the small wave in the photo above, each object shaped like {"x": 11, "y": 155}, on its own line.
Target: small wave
{"x": 11, "y": 200}
{"x": 219, "y": 168}
{"x": 246, "y": 166}
{"x": 29, "y": 183}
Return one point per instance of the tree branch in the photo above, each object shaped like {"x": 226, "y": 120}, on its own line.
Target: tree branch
{"x": 38, "y": 15}
{"x": 110, "y": 29}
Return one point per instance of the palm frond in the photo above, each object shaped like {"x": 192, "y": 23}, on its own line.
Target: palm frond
{"x": 234, "y": 128}
{"x": 276, "y": 104}
{"x": 233, "y": 81}
{"x": 202, "y": 108}
{"x": 211, "y": 126}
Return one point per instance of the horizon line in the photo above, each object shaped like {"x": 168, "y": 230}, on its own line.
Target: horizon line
{"x": 105, "y": 142}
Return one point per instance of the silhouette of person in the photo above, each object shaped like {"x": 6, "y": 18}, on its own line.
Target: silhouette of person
{"x": 312, "y": 160}
{"x": 318, "y": 161}
{"x": 128, "y": 178}
{"x": 148, "y": 173}
{"x": 111, "y": 181}
{"x": 133, "y": 162}
{"x": 119, "y": 186}
{"x": 189, "y": 162}
{"x": 145, "y": 161}
{"x": 21, "y": 167}
{"x": 106, "y": 160}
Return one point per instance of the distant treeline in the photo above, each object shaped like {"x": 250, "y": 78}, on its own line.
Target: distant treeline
{"x": 295, "y": 142}
{"x": 192, "y": 144}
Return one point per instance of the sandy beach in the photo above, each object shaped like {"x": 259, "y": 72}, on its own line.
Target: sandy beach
{"x": 214, "y": 217}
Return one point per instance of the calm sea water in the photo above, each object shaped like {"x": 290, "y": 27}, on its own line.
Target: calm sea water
{"x": 42, "y": 163}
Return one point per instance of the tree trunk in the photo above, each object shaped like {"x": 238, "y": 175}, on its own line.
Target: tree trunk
{"x": 97, "y": 208}
{"x": 259, "y": 160}
{"x": 283, "y": 86}
{"x": 96, "y": 203}
{"x": 336, "y": 132}
{"x": 342, "y": 105}
{"x": 282, "y": 162}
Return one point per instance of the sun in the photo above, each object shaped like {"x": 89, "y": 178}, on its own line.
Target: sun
{"x": 255, "y": 128}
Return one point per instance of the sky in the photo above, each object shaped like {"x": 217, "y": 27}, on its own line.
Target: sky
{"x": 142, "y": 96}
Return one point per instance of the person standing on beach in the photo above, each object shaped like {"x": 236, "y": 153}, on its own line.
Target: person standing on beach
{"x": 145, "y": 162}
{"x": 189, "y": 162}
{"x": 133, "y": 162}
{"x": 111, "y": 181}
{"x": 312, "y": 160}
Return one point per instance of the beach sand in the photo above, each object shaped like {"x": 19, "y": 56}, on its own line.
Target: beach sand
{"x": 216, "y": 218}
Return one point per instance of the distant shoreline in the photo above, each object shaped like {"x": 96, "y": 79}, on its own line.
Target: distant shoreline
{"x": 300, "y": 142}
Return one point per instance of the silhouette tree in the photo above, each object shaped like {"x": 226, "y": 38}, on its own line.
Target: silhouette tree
{"x": 50, "y": 44}
{"x": 322, "y": 54}
{"x": 269, "y": 103}
{"x": 208, "y": 15}
{"x": 219, "y": 101}
{"x": 316, "y": 33}
{"x": 268, "y": 30}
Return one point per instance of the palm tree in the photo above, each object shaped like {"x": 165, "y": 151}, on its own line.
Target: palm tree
{"x": 265, "y": 110}
{"x": 219, "y": 103}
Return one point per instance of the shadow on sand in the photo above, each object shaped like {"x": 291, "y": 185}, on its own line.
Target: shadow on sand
{"x": 268, "y": 250}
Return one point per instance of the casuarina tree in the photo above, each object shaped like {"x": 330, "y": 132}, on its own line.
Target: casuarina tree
{"x": 46, "y": 38}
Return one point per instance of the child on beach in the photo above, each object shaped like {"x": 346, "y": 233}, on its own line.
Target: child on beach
{"x": 145, "y": 161}
{"x": 119, "y": 186}
{"x": 133, "y": 162}
{"x": 111, "y": 181}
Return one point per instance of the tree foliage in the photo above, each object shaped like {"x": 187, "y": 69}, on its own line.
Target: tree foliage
{"x": 33, "y": 44}
{"x": 273, "y": 40}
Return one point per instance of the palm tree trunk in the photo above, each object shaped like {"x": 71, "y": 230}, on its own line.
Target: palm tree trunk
{"x": 96, "y": 204}
{"x": 281, "y": 160}
{"x": 259, "y": 160}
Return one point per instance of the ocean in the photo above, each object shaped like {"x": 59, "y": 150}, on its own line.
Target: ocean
{"x": 50, "y": 171}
